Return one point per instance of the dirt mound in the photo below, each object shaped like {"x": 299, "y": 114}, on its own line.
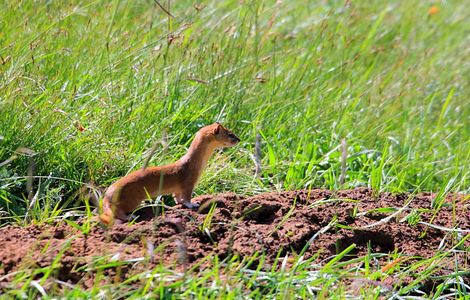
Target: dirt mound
{"x": 228, "y": 224}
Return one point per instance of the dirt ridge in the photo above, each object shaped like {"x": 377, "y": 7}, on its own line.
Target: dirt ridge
{"x": 268, "y": 223}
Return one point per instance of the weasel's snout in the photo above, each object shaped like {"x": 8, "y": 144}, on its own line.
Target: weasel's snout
{"x": 235, "y": 140}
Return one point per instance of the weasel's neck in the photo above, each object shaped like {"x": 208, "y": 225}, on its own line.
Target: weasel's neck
{"x": 195, "y": 160}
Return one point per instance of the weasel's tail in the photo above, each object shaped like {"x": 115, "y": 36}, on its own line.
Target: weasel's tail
{"x": 107, "y": 217}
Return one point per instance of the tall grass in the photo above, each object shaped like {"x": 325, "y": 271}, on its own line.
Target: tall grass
{"x": 90, "y": 86}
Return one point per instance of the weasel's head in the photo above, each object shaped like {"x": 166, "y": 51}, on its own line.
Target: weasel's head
{"x": 222, "y": 136}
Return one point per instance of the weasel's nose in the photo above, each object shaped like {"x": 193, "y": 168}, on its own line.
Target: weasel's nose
{"x": 235, "y": 140}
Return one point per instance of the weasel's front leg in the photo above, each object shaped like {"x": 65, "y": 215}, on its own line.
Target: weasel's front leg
{"x": 184, "y": 198}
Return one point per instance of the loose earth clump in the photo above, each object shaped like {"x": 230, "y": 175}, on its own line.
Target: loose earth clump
{"x": 271, "y": 224}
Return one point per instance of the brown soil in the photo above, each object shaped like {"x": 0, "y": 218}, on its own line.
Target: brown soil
{"x": 267, "y": 223}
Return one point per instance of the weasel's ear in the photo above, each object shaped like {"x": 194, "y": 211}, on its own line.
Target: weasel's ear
{"x": 217, "y": 128}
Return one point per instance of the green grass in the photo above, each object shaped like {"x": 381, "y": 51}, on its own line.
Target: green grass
{"x": 248, "y": 277}
{"x": 387, "y": 77}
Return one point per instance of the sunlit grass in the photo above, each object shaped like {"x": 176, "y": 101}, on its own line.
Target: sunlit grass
{"x": 89, "y": 87}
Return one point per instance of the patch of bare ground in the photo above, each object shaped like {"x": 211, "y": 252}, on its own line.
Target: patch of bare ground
{"x": 267, "y": 223}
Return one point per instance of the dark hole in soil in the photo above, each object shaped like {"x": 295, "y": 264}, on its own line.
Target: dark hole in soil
{"x": 120, "y": 237}
{"x": 380, "y": 242}
{"x": 206, "y": 206}
{"x": 263, "y": 213}
{"x": 59, "y": 234}
{"x": 65, "y": 273}
{"x": 145, "y": 213}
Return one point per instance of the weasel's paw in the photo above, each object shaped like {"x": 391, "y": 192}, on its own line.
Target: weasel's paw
{"x": 191, "y": 205}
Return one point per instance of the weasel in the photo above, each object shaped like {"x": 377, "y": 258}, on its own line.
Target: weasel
{"x": 178, "y": 178}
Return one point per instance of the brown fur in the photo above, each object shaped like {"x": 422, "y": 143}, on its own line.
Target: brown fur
{"x": 178, "y": 178}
